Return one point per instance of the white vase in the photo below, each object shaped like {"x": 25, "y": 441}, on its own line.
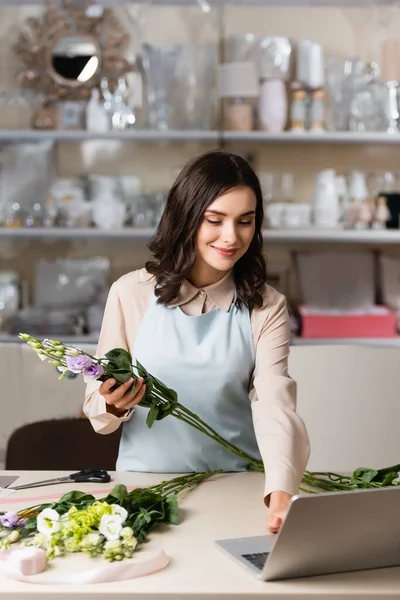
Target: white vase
{"x": 273, "y": 105}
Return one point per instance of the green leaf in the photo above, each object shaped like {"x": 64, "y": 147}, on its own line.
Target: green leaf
{"x": 152, "y": 416}
{"x": 146, "y": 515}
{"x": 364, "y": 474}
{"x": 121, "y": 375}
{"x": 30, "y": 524}
{"x": 119, "y": 493}
{"x": 118, "y": 353}
{"x": 75, "y": 497}
{"x": 123, "y": 363}
{"x": 141, "y": 370}
{"x": 173, "y": 508}
{"x": 389, "y": 478}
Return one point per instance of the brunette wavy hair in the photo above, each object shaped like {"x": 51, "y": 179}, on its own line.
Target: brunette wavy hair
{"x": 173, "y": 246}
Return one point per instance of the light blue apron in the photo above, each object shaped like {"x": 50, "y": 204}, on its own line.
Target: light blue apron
{"x": 208, "y": 360}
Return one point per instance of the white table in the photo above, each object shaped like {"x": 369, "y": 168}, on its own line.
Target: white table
{"x": 231, "y": 505}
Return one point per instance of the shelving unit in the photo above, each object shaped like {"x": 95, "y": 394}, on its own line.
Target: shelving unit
{"x": 373, "y": 342}
{"x": 325, "y": 137}
{"x": 74, "y": 234}
{"x": 276, "y": 236}
{"x": 320, "y": 3}
{"x": 139, "y": 135}
{"x": 193, "y": 135}
{"x": 79, "y": 340}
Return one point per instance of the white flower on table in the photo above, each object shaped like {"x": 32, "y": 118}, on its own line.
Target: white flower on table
{"x": 48, "y": 521}
{"x": 110, "y": 526}
{"x": 120, "y": 511}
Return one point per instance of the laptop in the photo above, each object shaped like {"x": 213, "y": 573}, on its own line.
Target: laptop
{"x": 330, "y": 532}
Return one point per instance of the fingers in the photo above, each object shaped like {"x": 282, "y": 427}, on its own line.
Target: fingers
{"x": 121, "y": 398}
{"x": 137, "y": 398}
{"x": 126, "y": 400}
{"x": 106, "y": 386}
{"x": 274, "y": 524}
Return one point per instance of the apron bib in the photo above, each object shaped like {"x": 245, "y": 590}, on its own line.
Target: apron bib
{"x": 208, "y": 360}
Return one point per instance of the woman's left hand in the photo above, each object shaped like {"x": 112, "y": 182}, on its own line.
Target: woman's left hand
{"x": 278, "y": 508}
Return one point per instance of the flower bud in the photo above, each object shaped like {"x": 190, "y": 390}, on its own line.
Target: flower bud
{"x": 72, "y": 352}
{"x": 24, "y": 336}
{"x": 13, "y": 537}
{"x": 56, "y": 363}
{"x": 35, "y": 345}
{"x": 58, "y": 354}
{"x": 55, "y": 342}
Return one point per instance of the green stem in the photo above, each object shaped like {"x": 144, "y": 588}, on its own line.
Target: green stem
{"x": 183, "y": 481}
{"x": 186, "y": 415}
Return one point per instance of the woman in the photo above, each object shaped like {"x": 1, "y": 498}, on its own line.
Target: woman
{"x": 201, "y": 318}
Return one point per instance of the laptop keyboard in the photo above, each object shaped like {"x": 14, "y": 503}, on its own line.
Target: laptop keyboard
{"x": 258, "y": 560}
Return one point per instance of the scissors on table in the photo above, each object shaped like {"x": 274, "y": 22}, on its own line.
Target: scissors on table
{"x": 86, "y": 475}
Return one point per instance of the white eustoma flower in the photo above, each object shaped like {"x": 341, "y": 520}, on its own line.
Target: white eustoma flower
{"x": 120, "y": 511}
{"x": 42, "y": 356}
{"x": 62, "y": 369}
{"x": 110, "y": 526}
{"x": 48, "y": 521}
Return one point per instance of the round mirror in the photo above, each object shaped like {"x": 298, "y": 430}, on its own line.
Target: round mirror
{"x": 74, "y": 59}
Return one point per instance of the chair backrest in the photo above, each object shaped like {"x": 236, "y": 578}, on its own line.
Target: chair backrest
{"x": 61, "y": 444}
{"x": 349, "y": 398}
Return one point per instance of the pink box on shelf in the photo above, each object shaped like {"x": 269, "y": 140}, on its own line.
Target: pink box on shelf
{"x": 377, "y": 322}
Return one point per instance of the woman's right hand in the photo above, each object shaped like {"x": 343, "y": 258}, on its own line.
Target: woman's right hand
{"x": 121, "y": 400}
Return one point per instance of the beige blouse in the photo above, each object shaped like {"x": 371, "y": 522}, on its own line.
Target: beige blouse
{"x": 281, "y": 434}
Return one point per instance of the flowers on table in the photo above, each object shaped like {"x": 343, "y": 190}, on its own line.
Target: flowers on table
{"x": 163, "y": 402}
{"x": 11, "y": 520}
{"x": 112, "y": 527}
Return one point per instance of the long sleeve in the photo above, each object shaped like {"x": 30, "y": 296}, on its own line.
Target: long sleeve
{"x": 281, "y": 434}
{"x": 112, "y": 335}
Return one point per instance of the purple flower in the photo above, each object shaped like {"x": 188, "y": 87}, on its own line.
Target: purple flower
{"x": 11, "y": 520}
{"x": 77, "y": 364}
{"x": 92, "y": 372}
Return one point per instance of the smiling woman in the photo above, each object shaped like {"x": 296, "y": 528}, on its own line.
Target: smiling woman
{"x": 202, "y": 319}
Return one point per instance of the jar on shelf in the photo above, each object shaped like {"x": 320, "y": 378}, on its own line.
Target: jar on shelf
{"x": 238, "y": 85}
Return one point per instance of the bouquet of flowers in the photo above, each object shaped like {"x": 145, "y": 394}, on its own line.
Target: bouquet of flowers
{"x": 163, "y": 402}
{"x": 112, "y": 527}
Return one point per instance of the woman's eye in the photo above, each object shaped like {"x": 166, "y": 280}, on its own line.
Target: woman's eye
{"x": 245, "y": 222}
{"x": 213, "y": 222}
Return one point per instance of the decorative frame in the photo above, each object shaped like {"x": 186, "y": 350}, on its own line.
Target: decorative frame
{"x": 62, "y": 19}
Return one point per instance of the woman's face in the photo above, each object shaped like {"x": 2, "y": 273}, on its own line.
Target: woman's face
{"x": 226, "y": 231}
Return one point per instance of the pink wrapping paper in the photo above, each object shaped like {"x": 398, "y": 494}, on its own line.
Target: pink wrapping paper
{"x": 78, "y": 568}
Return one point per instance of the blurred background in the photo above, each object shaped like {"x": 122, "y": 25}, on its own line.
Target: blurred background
{"x": 102, "y": 103}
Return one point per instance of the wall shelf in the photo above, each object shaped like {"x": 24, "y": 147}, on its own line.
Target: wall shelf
{"x": 78, "y": 340}
{"x": 350, "y": 236}
{"x": 328, "y": 137}
{"x": 276, "y": 3}
{"x": 139, "y": 135}
{"x": 393, "y": 342}
{"x": 276, "y": 236}
{"x": 92, "y": 339}
{"x": 59, "y": 233}
{"x": 189, "y": 135}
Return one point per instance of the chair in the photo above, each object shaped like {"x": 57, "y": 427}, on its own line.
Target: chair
{"x": 61, "y": 445}
{"x": 349, "y": 398}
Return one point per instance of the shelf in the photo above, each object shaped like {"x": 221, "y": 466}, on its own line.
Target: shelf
{"x": 328, "y": 137}
{"x": 350, "y": 236}
{"x": 78, "y": 340}
{"x": 276, "y": 3}
{"x": 139, "y": 135}
{"x": 374, "y": 342}
{"x": 276, "y": 236}
{"x": 189, "y": 135}
{"x": 78, "y": 233}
